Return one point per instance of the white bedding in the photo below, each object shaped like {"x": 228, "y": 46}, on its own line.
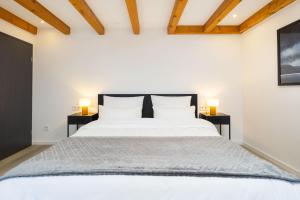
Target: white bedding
{"x": 146, "y": 187}
{"x": 148, "y": 127}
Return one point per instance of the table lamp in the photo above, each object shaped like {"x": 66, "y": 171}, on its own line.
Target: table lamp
{"x": 84, "y": 104}
{"x": 213, "y": 104}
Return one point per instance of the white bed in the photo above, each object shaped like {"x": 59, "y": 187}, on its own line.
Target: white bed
{"x": 116, "y": 187}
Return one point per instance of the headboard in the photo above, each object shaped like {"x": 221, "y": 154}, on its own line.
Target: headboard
{"x": 147, "y": 104}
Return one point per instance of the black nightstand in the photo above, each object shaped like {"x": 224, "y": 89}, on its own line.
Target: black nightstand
{"x": 78, "y": 118}
{"x": 219, "y": 118}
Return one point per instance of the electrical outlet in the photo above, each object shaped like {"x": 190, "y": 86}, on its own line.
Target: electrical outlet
{"x": 75, "y": 108}
{"x": 46, "y": 128}
{"x": 202, "y": 108}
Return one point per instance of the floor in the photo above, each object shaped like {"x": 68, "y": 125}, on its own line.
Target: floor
{"x": 12, "y": 161}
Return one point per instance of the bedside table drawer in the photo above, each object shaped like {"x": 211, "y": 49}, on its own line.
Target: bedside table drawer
{"x": 218, "y": 120}
{"x": 79, "y": 120}
{"x": 82, "y": 119}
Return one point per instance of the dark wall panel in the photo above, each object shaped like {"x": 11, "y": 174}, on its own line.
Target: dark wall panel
{"x": 15, "y": 95}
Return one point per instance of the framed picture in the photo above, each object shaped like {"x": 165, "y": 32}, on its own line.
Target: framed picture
{"x": 289, "y": 54}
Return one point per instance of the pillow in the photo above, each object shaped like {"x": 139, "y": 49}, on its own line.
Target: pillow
{"x": 171, "y": 102}
{"x": 174, "y": 113}
{"x": 123, "y": 102}
{"x": 119, "y": 113}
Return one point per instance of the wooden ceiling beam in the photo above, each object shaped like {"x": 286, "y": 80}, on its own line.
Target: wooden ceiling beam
{"x": 39, "y": 10}
{"x": 17, "y": 21}
{"x": 185, "y": 30}
{"x": 268, "y": 10}
{"x": 176, "y": 14}
{"x": 226, "y": 7}
{"x": 83, "y": 8}
{"x": 133, "y": 14}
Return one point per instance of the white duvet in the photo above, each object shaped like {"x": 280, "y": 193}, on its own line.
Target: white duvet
{"x": 146, "y": 187}
{"x": 148, "y": 127}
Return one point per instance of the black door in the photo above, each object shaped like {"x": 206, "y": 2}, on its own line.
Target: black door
{"x": 15, "y": 95}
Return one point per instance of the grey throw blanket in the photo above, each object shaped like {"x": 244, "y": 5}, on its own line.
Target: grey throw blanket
{"x": 184, "y": 156}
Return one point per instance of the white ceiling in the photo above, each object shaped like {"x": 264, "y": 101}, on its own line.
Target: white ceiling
{"x": 152, "y": 13}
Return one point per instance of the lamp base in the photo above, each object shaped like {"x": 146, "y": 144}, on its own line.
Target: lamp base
{"x": 84, "y": 110}
{"x": 212, "y": 110}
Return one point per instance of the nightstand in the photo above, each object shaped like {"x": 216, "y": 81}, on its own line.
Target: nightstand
{"x": 78, "y": 118}
{"x": 219, "y": 118}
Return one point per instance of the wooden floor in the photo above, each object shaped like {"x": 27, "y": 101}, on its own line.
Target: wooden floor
{"x": 12, "y": 161}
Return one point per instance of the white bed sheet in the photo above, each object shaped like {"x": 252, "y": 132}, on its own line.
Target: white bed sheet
{"x": 116, "y": 187}
{"x": 146, "y": 188}
{"x": 147, "y": 127}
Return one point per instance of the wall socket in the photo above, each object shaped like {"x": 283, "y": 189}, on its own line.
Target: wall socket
{"x": 46, "y": 128}
{"x": 203, "y": 108}
{"x": 75, "y": 108}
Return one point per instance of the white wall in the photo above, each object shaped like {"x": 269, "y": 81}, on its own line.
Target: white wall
{"x": 271, "y": 112}
{"x": 85, "y": 64}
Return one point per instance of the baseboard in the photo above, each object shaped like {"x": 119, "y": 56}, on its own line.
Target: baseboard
{"x": 271, "y": 159}
{"x": 34, "y": 142}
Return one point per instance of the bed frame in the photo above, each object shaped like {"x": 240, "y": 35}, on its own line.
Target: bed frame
{"x": 147, "y": 104}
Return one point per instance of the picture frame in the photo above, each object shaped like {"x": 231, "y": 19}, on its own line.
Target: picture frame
{"x": 288, "y": 44}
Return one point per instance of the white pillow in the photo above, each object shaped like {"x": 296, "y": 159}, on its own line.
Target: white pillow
{"x": 174, "y": 113}
{"x": 119, "y": 113}
{"x": 123, "y": 102}
{"x": 171, "y": 102}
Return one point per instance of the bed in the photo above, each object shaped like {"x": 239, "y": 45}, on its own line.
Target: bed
{"x": 148, "y": 158}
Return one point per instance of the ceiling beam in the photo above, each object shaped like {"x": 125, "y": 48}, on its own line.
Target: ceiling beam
{"x": 185, "y": 30}
{"x": 226, "y": 7}
{"x": 176, "y": 14}
{"x": 38, "y": 9}
{"x": 133, "y": 14}
{"x": 263, "y": 13}
{"x": 83, "y": 8}
{"x": 17, "y": 21}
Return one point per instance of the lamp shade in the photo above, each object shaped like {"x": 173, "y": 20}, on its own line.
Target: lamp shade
{"x": 213, "y": 102}
{"x": 84, "y": 102}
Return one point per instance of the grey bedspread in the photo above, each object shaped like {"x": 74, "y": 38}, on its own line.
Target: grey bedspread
{"x": 184, "y": 156}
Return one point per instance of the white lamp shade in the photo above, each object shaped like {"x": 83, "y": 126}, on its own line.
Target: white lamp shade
{"x": 84, "y": 102}
{"x": 213, "y": 102}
